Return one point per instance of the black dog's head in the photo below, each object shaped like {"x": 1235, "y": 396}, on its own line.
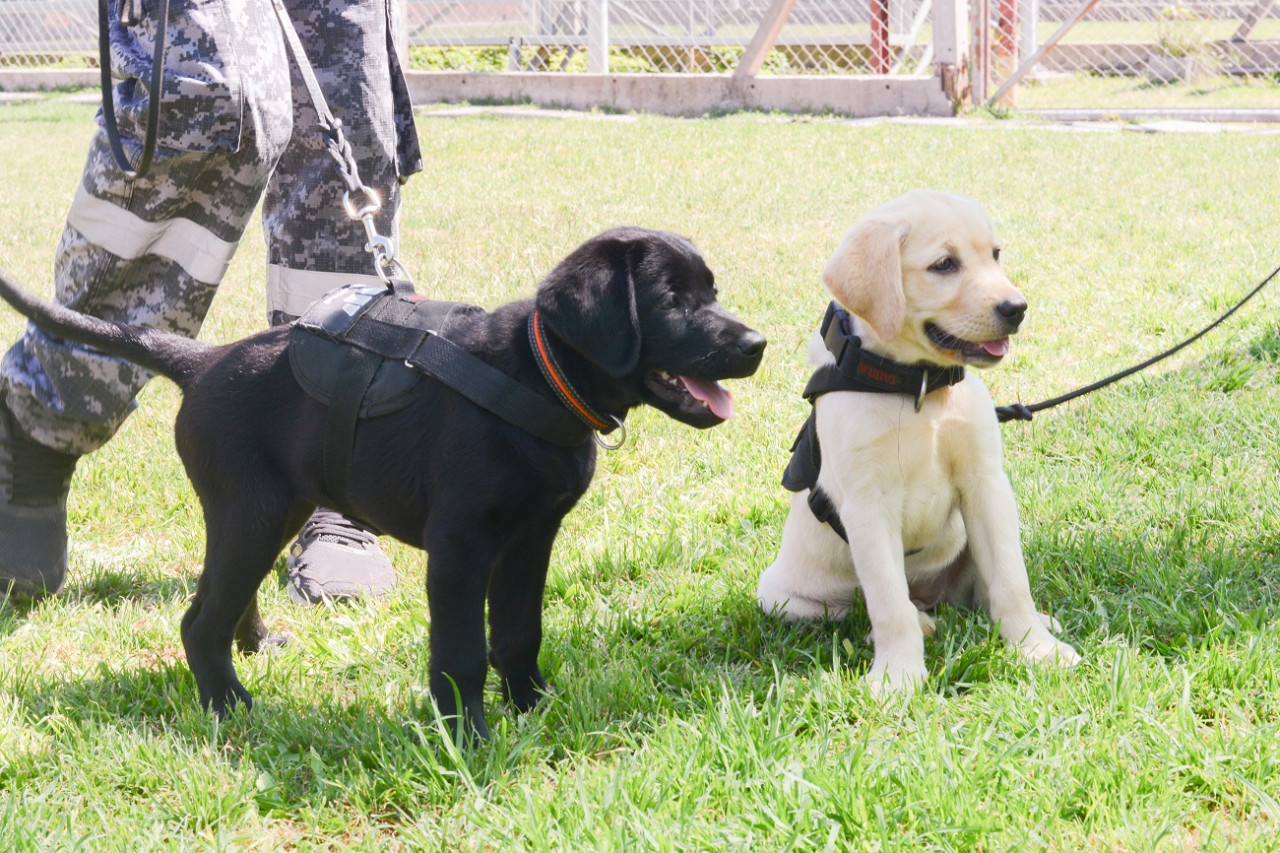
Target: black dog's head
{"x": 641, "y": 307}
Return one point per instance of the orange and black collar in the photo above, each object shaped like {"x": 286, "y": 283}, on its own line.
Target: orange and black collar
{"x": 554, "y": 374}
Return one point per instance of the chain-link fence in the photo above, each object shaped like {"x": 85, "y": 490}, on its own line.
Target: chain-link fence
{"x": 1103, "y": 54}
{"x": 667, "y": 36}
{"x": 45, "y": 33}
{"x": 1132, "y": 53}
{"x": 662, "y": 36}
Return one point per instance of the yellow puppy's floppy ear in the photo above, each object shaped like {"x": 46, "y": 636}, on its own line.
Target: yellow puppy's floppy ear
{"x": 865, "y": 276}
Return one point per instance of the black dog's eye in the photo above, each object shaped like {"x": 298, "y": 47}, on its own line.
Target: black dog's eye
{"x": 668, "y": 302}
{"x": 995, "y": 253}
{"x": 947, "y": 264}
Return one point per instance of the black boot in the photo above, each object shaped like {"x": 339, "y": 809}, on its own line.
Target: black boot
{"x": 34, "y": 482}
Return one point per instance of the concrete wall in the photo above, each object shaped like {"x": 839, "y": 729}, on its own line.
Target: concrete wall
{"x": 22, "y": 80}
{"x": 688, "y": 94}
{"x": 666, "y": 94}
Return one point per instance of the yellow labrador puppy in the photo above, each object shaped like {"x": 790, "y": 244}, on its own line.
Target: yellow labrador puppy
{"x": 914, "y": 477}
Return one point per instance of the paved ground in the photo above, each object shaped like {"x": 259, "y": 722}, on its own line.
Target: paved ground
{"x": 1099, "y": 121}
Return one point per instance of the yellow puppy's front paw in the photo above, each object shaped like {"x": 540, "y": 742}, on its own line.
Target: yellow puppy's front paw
{"x": 1052, "y": 651}
{"x": 1051, "y": 624}
{"x": 886, "y": 681}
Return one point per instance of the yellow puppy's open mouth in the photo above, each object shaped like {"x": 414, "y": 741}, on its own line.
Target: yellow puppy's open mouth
{"x": 976, "y": 352}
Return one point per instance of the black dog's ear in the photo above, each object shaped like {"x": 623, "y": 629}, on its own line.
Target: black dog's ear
{"x": 589, "y": 301}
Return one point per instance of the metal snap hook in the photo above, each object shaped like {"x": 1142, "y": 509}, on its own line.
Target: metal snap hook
{"x": 924, "y": 389}
{"x": 372, "y": 203}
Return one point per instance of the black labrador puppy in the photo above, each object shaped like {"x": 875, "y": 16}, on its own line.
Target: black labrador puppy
{"x": 631, "y": 317}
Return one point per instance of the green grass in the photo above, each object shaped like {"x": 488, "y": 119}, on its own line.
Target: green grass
{"x": 687, "y": 720}
{"x": 1093, "y": 91}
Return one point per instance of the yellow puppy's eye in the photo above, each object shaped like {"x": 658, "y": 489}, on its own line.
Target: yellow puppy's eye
{"x": 947, "y": 264}
{"x": 995, "y": 253}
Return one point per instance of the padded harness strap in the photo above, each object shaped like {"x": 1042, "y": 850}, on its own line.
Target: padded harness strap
{"x": 385, "y": 331}
{"x": 802, "y": 473}
{"x": 490, "y": 388}
{"x": 358, "y": 369}
{"x": 856, "y": 369}
{"x": 411, "y": 330}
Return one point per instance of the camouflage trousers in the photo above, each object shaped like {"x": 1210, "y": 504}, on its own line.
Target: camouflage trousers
{"x": 236, "y": 127}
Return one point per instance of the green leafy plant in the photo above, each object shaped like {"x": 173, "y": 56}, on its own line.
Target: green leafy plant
{"x": 1182, "y": 31}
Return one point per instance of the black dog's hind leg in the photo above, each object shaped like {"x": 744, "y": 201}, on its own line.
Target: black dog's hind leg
{"x": 252, "y": 634}
{"x": 515, "y": 615}
{"x": 241, "y": 547}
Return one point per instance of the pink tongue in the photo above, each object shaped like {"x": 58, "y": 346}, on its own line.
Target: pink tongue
{"x": 711, "y": 393}
{"x": 998, "y": 348}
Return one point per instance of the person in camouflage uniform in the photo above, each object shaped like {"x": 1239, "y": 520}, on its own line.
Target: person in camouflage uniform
{"x": 236, "y": 127}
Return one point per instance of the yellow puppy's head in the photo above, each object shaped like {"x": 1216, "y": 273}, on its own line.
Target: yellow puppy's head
{"x": 923, "y": 273}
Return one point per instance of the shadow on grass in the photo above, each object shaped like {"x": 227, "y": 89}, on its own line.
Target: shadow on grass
{"x": 624, "y": 673}
{"x": 108, "y": 589}
{"x": 1167, "y": 596}
{"x": 297, "y": 753}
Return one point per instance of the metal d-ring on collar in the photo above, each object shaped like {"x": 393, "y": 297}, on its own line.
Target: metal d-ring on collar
{"x": 924, "y": 388}
{"x": 601, "y": 424}
{"x": 622, "y": 436}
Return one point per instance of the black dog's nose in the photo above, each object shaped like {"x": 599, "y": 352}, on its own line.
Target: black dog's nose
{"x": 751, "y": 344}
{"x": 1012, "y": 311}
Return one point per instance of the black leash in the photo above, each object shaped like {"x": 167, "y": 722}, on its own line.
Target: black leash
{"x": 130, "y": 14}
{"x": 1023, "y": 412}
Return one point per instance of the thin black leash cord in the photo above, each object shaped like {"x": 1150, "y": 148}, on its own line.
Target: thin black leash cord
{"x": 130, "y": 14}
{"x": 1021, "y": 412}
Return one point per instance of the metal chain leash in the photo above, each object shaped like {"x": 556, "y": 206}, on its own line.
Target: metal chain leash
{"x": 361, "y": 202}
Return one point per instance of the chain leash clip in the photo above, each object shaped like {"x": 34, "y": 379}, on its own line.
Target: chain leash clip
{"x": 361, "y": 202}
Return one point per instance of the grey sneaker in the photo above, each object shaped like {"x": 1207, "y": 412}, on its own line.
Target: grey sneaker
{"x": 336, "y": 557}
{"x": 34, "y": 482}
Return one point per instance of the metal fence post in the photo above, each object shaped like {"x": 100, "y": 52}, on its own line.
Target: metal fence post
{"x": 880, "y": 50}
{"x": 951, "y": 46}
{"x": 598, "y": 36}
{"x": 400, "y": 31}
{"x": 1028, "y": 20}
{"x": 764, "y": 38}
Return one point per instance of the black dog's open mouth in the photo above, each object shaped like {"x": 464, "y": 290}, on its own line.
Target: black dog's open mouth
{"x": 981, "y": 352}
{"x": 695, "y": 396}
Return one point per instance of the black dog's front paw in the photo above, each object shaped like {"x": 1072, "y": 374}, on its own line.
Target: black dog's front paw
{"x": 525, "y": 693}
{"x": 468, "y": 728}
{"x": 224, "y": 702}
{"x": 253, "y": 635}
{"x": 463, "y": 716}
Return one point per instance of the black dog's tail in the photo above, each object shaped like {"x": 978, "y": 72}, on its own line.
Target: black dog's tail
{"x": 166, "y": 353}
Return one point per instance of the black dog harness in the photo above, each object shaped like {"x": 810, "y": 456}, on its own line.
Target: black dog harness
{"x": 362, "y": 351}
{"x": 856, "y": 369}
